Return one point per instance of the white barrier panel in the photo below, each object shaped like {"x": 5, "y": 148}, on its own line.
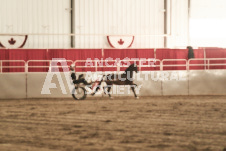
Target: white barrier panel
{"x": 208, "y": 82}
{"x": 37, "y": 88}
{"x": 12, "y": 86}
{"x": 176, "y": 83}
{"x": 149, "y": 82}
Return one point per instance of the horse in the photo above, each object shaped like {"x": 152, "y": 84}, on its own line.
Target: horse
{"x": 119, "y": 79}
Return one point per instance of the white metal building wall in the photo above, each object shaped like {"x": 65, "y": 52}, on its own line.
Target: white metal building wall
{"x": 37, "y": 17}
{"x": 94, "y": 20}
{"x": 98, "y": 18}
{"x": 179, "y": 25}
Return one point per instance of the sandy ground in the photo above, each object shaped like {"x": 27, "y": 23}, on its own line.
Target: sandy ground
{"x": 150, "y": 123}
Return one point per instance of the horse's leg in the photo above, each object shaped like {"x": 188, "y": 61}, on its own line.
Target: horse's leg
{"x": 97, "y": 88}
{"x": 105, "y": 89}
{"x": 109, "y": 89}
{"x": 133, "y": 89}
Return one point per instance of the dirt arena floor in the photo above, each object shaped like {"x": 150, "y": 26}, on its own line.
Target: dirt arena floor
{"x": 150, "y": 123}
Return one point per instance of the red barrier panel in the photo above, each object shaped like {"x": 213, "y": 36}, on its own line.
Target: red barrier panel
{"x": 4, "y": 55}
{"x": 128, "y": 53}
{"x": 118, "y": 54}
{"x": 28, "y": 54}
{"x": 37, "y": 54}
{"x": 42, "y": 66}
{"x": 76, "y": 54}
{"x": 150, "y": 65}
{"x": 216, "y": 53}
{"x": 17, "y": 54}
{"x": 198, "y": 53}
{"x": 145, "y": 53}
{"x": 172, "y": 54}
{"x": 121, "y": 54}
{"x": 174, "y": 65}
{"x": 13, "y": 66}
{"x": 85, "y": 66}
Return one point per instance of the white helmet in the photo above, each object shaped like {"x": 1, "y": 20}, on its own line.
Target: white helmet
{"x": 72, "y": 66}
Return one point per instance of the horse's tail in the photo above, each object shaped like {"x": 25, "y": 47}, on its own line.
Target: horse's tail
{"x": 98, "y": 86}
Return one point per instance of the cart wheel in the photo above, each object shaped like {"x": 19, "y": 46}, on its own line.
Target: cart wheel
{"x": 79, "y": 93}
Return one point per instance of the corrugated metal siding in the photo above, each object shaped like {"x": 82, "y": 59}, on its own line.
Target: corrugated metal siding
{"x": 34, "y": 17}
{"x": 179, "y": 24}
{"x": 95, "y": 19}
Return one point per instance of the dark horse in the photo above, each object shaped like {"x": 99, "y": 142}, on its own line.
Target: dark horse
{"x": 119, "y": 79}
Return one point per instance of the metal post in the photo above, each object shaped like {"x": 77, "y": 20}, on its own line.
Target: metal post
{"x": 118, "y": 66}
{"x": 50, "y": 67}
{"x": 208, "y": 64}
{"x": 165, "y": 23}
{"x": 161, "y": 65}
{"x": 26, "y": 67}
{"x": 72, "y": 23}
{"x": 102, "y": 52}
{"x": 189, "y": 11}
{"x": 188, "y": 64}
{"x": 155, "y": 53}
{"x": 205, "y": 58}
{"x": 1, "y": 66}
{"x": 95, "y": 65}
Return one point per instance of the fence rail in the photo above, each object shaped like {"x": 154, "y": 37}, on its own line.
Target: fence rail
{"x": 50, "y": 65}
{"x": 106, "y": 65}
{"x": 12, "y": 64}
{"x": 207, "y": 63}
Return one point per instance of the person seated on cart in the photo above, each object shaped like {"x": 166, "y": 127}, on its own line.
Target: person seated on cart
{"x": 80, "y": 79}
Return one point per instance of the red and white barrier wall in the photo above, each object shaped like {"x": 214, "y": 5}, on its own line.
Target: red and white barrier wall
{"x": 204, "y": 75}
{"x": 173, "y": 59}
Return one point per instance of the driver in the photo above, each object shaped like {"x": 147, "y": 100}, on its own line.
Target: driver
{"x": 80, "y": 78}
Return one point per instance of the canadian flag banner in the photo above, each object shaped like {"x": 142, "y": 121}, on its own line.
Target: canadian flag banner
{"x": 120, "y": 42}
{"x": 13, "y": 41}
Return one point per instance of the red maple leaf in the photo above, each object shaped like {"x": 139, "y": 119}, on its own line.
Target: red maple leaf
{"x": 12, "y": 41}
{"x": 121, "y": 42}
